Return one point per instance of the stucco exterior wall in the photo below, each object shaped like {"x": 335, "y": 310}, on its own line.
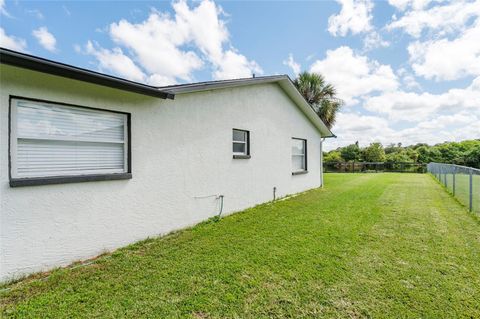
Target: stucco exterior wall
{"x": 181, "y": 149}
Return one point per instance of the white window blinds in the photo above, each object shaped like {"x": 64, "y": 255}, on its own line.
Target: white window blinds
{"x": 57, "y": 140}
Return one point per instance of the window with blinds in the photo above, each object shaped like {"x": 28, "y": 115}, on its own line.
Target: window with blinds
{"x": 50, "y": 140}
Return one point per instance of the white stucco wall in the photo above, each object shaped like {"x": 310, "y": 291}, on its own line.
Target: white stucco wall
{"x": 180, "y": 149}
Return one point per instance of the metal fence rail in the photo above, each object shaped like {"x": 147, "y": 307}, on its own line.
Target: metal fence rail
{"x": 373, "y": 167}
{"x": 463, "y": 182}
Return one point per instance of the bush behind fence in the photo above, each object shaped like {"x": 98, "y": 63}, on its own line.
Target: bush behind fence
{"x": 463, "y": 182}
{"x": 373, "y": 167}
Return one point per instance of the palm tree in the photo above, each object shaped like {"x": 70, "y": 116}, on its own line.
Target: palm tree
{"x": 320, "y": 95}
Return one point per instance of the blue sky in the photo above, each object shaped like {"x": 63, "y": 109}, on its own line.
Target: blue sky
{"x": 408, "y": 70}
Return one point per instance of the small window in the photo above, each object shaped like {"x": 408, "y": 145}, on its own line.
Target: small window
{"x": 299, "y": 155}
{"x": 55, "y": 140}
{"x": 241, "y": 144}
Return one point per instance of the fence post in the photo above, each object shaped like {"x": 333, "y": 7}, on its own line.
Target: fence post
{"x": 471, "y": 191}
{"x": 453, "y": 186}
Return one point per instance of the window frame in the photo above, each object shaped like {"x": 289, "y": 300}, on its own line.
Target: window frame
{"x": 305, "y": 156}
{"x": 61, "y": 179}
{"x": 246, "y": 154}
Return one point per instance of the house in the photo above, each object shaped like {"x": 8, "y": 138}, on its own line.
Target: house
{"x": 90, "y": 162}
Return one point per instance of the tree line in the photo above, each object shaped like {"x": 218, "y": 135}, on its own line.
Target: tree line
{"x": 322, "y": 96}
{"x": 466, "y": 153}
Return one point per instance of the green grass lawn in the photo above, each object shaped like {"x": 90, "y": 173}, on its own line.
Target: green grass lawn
{"x": 368, "y": 245}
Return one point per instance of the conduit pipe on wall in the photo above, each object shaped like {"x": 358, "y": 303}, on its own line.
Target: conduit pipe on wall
{"x": 221, "y": 205}
{"x": 216, "y": 197}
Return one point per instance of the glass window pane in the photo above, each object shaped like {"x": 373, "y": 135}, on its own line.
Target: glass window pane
{"x": 60, "y": 140}
{"x": 239, "y": 148}
{"x": 298, "y": 163}
{"x": 39, "y": 120}
{"x": 239, "y": 135}
{"x": 298, "y": 146}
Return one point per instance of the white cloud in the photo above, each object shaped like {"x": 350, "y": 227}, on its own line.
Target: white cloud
{"x": 443, "y": 20}
{"x": 373, "y": 40}
{"x": 4, "y": 11}
{"x": 446, "y": 59}
{"x": 413, "y": 107}
{"x": 235, "y": 65}
{"x": 209, "y": 33}
{"x": 408, "y": 79}
{"x": 45, "y": 38}
{"x": 352, "y": 127}
{"x": 12, "y": 42}
{"x": 355, "y": 17}
{"x": 156, "y": 44}
{"x": 447, "y": 121}
{"x": 116, "y": 61}
{"x": 361, "y": 125}
{"x": 410, "y": 82}
{"x": 412, "y": 118}
{"x": 171, "y": 48}
{"x": 292, "y": 64}
{"x": 455, "y": 127}
{"x": 414, "y": 4}
{"x": 355, "y": 75}
{"x": 159, "y": 80}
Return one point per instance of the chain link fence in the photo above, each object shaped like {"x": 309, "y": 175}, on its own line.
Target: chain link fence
{"x": 463, "y": 182}
{"x": 373, "y": 167}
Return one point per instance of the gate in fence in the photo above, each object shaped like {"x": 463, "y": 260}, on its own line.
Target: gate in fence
{"x": 463, "y": 182}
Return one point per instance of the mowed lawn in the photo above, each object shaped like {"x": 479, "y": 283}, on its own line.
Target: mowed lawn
{"x": 367, "y": 245}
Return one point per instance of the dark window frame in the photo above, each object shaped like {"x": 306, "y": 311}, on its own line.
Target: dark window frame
{"x": 48, "y": 180}
{"x": 305, "y": 143}
{"x": 247, "y": 155}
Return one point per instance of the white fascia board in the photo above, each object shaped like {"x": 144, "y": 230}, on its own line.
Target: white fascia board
{"x": 221, "y": 84}
{"x": 288, "y": 86}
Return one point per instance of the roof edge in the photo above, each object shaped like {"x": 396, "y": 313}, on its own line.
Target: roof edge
{"x": 311, "y": 111}
{"x": 283, "y": 80}
{"x": 212, "y": 85}
{"x": 34, "y": 63}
